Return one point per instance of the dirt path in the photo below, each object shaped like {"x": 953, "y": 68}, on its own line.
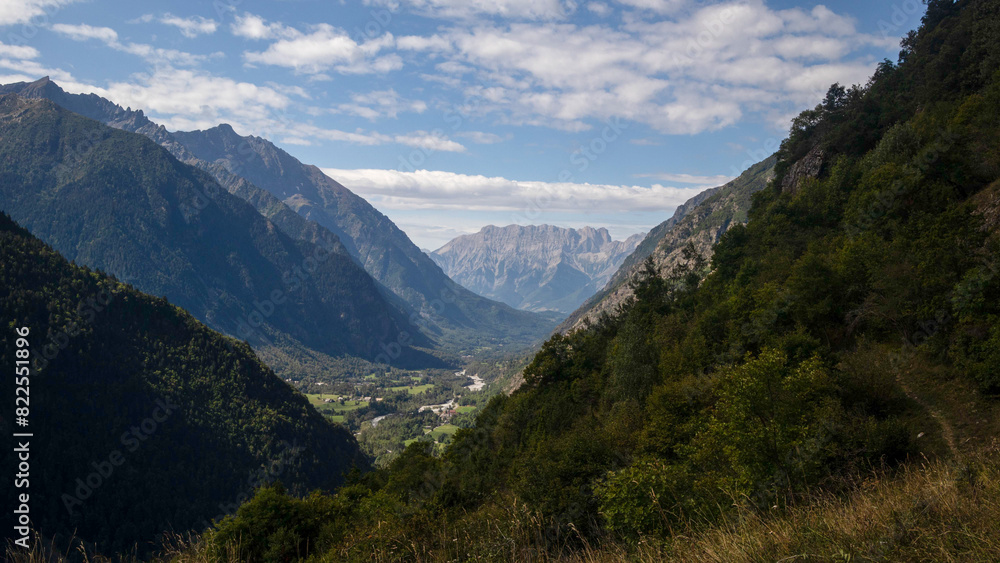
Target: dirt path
{"x": 947, "y": 430}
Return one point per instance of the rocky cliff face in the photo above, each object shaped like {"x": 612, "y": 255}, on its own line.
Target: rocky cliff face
{"x": 808, "y": 167}
{"x": 535, "y": 268}
{"x": 700, "y": 222}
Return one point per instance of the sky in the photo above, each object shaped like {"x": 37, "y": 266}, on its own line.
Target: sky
{"x": 449, "y": 115}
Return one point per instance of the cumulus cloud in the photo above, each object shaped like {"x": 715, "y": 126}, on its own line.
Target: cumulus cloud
{"x": 686, "y": 69}
{"x": 251, "y": 26}
{"x": 183, "y": 99}
{"x": 482, "y": 137}
{"x": 600, "y": 8}
{"x": 324, "y": 47}
{"x": 108, "y": 36}
{"x": 190, "y": 27}
{"x": 82, "y": 32}
{"x": 658, "y": 6}
{"x": 24, "y": 11}
{"x": 429, "y": 190}
{"x": 18, "y": 51}
{"x": 417, "y": 43}
{"x": 468, "y": 9}
{"x": 380, "y": 104}
{"x": 687, "y": 179}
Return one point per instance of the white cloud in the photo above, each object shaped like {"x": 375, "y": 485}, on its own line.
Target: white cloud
{"x": 687, "y": 71}
{"x": 24, "y": 11}
{"x": 658, "y": 6}
{"x": 417, "y": 43}
{"x": 482, "y": 138}
{"x": 188, "y": 99}
{"x": 325, "y": 47}
{"x": 467, "y": 9}
{"x": 429, "y": 190}
{"x": 191, "y": 27}
{"x": 152, "y": 55}
{"x": 82, "y": 32}
{"x": 600, "y": 8}
{"x": 18, "y": 51}
{"x": 710, "y": 181}
{"x": 29, "y": 70}
{"x": 379, "y": 104}
{"x": 429, "y": 141}
{"x": 252, "y": 26}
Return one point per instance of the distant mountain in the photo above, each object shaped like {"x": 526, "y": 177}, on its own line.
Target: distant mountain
{"x": 535, "y": 268}
{"x": 262, "y": 174}
{"x": 116, "y": 201}
{"x": 700, "y": 221}
{"x": 143, "y": 419}
{"x": 462, "y": 319}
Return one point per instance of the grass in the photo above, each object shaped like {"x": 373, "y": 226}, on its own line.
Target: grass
{"x": 944, "y": 511}
{"x": 316, "y": 401}
{"x": 933, "y": 511}
{"x": 414, "y": 390}
{"x": 465, "y": 409}
{"x": 444, "y": 430}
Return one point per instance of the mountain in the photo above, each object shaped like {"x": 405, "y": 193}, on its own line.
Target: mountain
{"x": 535, "y": 268}
{"x": 143, "y": 419}
{"x": 701, "y": 222}
{"x": 116, "y": 201}
{"x": 789, "y": 399}
{"x": 262, "y": 174}
{"x": 462, "y": 319}
{"x": 135, "y": 121}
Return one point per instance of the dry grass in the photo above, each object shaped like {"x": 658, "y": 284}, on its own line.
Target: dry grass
{"x": 941, "y": 511}
{"x": 933, "y": 511}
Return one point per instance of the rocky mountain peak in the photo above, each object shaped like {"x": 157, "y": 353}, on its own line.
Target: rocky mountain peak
{"x": 535, "y": 267}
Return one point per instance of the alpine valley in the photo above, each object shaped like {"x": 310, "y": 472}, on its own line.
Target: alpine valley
{"x": 218, "y": 353}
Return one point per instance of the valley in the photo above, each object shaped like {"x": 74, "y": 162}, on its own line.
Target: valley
{"x": 651, "y": 331}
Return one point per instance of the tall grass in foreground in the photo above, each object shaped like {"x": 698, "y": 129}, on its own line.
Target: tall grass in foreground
{"x": 934, "y": 511}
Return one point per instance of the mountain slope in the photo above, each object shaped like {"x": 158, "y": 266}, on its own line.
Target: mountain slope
{"x": 535, "y": 268}
{"x": 814, "y": 362}
{"x": 441, "y": 306}
{"x": 113, "y": 115}
{"x": 701, "y": 221}
{"x": 260, "y": 173}
{"x": 160, "y": 419}
{"x": 116, "y": 201}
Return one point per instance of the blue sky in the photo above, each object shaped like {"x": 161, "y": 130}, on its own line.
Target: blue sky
{"x": 449, "y": 115}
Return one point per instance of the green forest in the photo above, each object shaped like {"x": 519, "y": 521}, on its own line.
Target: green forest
{"x": 152, "y": 422}
{"x": 825, "y": 387}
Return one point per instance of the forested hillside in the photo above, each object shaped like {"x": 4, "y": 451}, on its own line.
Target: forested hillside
{"x": 782, "y": 400}
{"x": 116, "y": 201}
{"x": 143, "y": 419}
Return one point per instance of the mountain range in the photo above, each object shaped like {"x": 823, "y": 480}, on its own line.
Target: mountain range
{"x": 118, "y": 202}
{"x": 535, "y": 267}
{"x": 427, "y": 309}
